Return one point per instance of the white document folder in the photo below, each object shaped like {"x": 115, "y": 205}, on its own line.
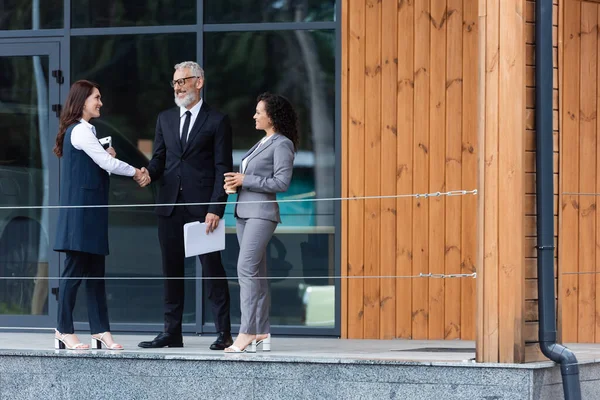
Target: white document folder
{"x": 197, "y": 241}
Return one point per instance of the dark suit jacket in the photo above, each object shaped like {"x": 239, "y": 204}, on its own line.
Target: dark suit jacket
{"x": 196, "y": 172}
{"x": 82, "y": 182}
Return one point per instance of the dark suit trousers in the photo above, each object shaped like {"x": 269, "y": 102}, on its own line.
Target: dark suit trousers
{"x": 170, "y": 234}
{"x": 83, "y": 265}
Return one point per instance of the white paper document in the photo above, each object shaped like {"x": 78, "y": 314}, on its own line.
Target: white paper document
{"x": 197, "y": 241}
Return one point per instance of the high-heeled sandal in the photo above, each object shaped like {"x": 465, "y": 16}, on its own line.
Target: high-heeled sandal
{"x": 61, "y": 344}
{"x": 97, "y": 343}
{"x": 266, "y": 343}
{"x": 251, "y": 348}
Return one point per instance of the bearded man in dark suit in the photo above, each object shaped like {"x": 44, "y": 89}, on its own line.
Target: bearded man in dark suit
{"x": 192, "y": 151}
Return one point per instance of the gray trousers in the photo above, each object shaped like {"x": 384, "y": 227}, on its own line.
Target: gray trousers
{"x": 253, "y": 236}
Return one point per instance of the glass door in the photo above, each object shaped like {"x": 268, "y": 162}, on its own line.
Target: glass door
{"x": 29, "y": 88}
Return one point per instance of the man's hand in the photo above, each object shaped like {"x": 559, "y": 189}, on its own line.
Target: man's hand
{"x": 211, "y": 221}
{"x": 142, "y": 177}
{"x": 112, "y": 152}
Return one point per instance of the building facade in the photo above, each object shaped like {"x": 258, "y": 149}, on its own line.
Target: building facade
{"x": 396, "y": 98}
{"x": 129, "y": 48}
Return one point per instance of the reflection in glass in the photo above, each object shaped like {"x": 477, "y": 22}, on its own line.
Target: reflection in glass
{"x": 31, "y": 14}
{"x": 105, "y": 13}
{"x": 301, "y": 66}
{"x": 299, "y": 265}
{"x": 248, "y": 11}
{"x": 134, "y": 73}
{"x": 23, "y": 181}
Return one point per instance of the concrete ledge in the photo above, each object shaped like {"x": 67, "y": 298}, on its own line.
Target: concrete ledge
{"x": 298, "y": 368}
{"x": 104, "y": 375}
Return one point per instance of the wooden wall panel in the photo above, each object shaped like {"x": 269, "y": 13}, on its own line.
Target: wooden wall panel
{"x": 454, "y": 88}
{"x": 437, "y": 166}
{"x": 405, "y": 168}
{"x": 372, "y": 154}
{"x": 587, "y": 156}
{"x": 469, "y": 165}
{"x": 389, "y": 79}
{"x": 501, "y": 202}
{"x": 579, "y": 220}
{"x": 421, "y": 149}
{"x": 356, "y": 168}
{"x": 409, "y": 126}
{"x": 490, "y": 332}
{"x": 568, "y": 250}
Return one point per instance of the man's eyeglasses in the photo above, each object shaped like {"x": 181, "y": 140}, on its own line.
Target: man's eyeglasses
{"x": 181, "y": 81}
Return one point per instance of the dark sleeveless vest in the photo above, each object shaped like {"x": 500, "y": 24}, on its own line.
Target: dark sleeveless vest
{"x": 82, "y": 182}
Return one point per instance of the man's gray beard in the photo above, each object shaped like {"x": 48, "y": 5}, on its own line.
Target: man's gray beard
{"x": 189, "y": 98}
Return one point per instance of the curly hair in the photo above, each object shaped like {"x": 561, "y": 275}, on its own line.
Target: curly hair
{"x": 282, "y": 114}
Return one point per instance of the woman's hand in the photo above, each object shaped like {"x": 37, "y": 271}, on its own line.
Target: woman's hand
{"x": 233, "y": 179}
{"x": 112, "y": 152}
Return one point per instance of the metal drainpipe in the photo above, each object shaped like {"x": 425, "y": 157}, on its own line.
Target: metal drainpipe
{"x": 545, "y": 203}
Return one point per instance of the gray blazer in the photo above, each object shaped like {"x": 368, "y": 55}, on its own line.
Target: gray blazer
{"x": 268, "y": 171}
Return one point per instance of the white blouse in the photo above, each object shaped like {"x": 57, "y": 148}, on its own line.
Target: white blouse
{"x": 83, "y": 137}
{"x": 245, "y": 160}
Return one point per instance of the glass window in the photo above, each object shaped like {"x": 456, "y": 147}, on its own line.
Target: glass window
{"x": 301, "y": 66}
{"x": 248, "y": 11}
{"x": 105, "y": 13}
{"x": 23, "y": 178}
{"x": 133, "y": 72}
{"x": 31, "y": 14}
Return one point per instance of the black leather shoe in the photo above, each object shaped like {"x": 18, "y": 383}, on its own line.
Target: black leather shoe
{"x": 223, "y": 340}
{"x": 163, "y": 340}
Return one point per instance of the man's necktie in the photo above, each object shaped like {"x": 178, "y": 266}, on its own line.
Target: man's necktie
{"x": 186, "y": 128}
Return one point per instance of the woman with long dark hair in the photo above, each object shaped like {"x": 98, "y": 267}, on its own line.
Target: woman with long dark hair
{"x": 82, "y": 232}
{"x": 266, "y": 170}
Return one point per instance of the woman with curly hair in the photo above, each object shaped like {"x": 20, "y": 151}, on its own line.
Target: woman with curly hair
{"x": 266, "y": 169}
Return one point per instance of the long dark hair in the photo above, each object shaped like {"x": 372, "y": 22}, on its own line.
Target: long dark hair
{"x": 282, "y": 114}
{"x": 73, "y": 110}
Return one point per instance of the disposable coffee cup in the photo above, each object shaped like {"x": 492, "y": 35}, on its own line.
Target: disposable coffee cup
{"x": 229, "y": 190}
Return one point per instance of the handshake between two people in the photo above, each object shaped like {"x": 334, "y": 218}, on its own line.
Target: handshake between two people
{"x": 142, "y": 177}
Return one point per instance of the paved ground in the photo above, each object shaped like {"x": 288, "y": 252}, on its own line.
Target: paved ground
{"x": 307, "y": 349}
{"x": 310, "y": 348}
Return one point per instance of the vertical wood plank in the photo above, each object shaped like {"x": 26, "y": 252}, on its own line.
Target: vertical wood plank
{"x": 405, "y": 169}
{"x": 389, "y": 74}
{"x": 344, "y": 184}
{"x": 421, "y": 148}
{"x": 511, "y": 151}
{"x": 569, "y": 174}
{"x": 469, "y": 167}
{"x": 453, "y": 167}
{"x": 437, "y": 155}
{"x": 356, "y": 174}
{"x": 372, "y": 159}
{"x": 491, "y": 190}
{"x": 597, "y": 187}
{"x": 587, "y": 170}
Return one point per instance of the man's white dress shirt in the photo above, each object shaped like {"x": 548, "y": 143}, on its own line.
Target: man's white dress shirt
{"x": 195, "y": 111}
